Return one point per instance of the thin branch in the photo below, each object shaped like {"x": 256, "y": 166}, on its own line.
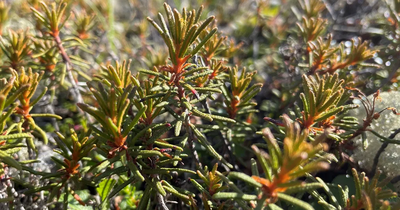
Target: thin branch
{"x": 68, "y": 64}
{"x": 380, "y": 151}
{"x": 75, "y": 88}
{"x": 192, "y": 137}
{"x": 161, "y": 202}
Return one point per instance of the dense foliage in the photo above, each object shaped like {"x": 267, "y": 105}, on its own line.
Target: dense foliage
{"x": 234, "y": 105}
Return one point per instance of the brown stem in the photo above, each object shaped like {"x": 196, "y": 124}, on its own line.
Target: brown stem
{"x": 380, "y": 151}
{"x": 68, "y": 64}
{"x": 161, "y": 202}
{"x": 192, "y": 137}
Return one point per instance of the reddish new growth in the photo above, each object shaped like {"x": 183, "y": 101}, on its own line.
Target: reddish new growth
{"x": 73, "y": 165}
{"x": 292, "y": 159}
{"x": 239, "y": 85}
{"x": 118, "y": 144}
{"x": 233, "y": 109}
{"x": 177, "y": 69}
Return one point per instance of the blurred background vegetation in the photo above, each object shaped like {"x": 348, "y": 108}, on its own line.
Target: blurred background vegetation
{"x": 358, "y": 39}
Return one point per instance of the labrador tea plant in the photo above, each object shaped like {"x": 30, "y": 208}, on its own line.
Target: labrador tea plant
{"x": 172, "y": 115}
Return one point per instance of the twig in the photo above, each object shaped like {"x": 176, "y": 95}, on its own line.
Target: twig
{"x": 380, "y": 151}
{"x": 160, "y": 198}
{"x": 192, "y": 137}
{"x": 75, "y": 88}
{"x": 50, "y": 108}
{"x": 161, "y": 202}
{"x": 68, "y": 64}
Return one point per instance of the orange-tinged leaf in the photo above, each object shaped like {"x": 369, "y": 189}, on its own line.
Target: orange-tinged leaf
{"x": 262, "y": 181}
{"x": 77, "y": 198}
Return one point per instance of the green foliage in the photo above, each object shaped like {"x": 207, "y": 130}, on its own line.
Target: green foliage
{"x": 180, "y": 125}
{"x": 322, "y": 99}
{"x": 183, "y": 31}
{"x": 283, "y": 167}
{"x": 16, "y": 48}
{"x": 370, "y": 194}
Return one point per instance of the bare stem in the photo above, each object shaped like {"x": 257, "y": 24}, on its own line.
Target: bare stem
{"x": 380, "y": 151}
{"x": 67, "y": 62}
{"x": 75, "y": 88}
{"x": 161, "y": 202}
{"x": 192, "y": 137}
